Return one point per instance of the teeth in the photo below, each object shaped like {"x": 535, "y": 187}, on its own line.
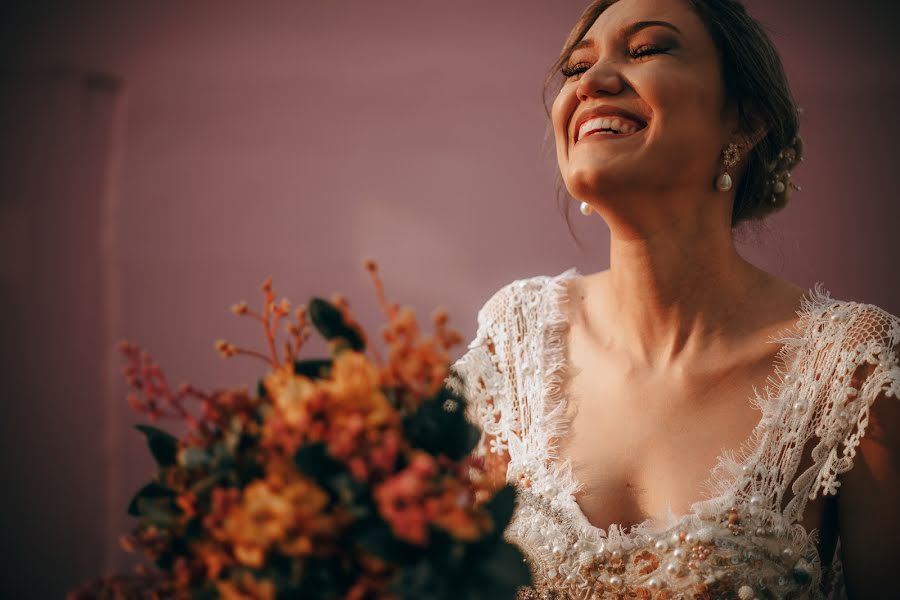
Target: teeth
{"x": 616, "y": 124}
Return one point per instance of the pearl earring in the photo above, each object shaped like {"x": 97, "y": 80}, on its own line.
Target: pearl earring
{"x": 586, "y": 209}
{"x": 731, "y": 157}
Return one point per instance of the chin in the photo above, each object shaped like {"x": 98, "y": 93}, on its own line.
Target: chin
{"x": 591, "y": 181}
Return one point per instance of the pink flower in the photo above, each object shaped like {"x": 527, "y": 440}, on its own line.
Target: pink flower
{"x": 401, "y": 499}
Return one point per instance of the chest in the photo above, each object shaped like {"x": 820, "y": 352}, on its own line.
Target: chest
{"x": 643, "y": 444}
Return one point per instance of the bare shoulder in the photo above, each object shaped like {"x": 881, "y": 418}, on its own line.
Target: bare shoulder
{"x": 869, "y": 490}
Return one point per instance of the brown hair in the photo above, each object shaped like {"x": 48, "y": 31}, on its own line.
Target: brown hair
{"x": 754, "y": 78}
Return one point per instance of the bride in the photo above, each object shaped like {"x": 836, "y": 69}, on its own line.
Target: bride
{"x": 684, "y": 424}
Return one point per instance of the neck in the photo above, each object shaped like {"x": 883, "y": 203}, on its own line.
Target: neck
{"x": 678, "y": 291}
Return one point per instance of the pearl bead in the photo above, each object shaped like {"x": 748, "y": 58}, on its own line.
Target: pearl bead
{"x": 689, "y": 538}
{"x": 672, "y": 568}
{"x": 745, "y": 593}
{"x": 799, "y": 406}
{"x": 760, "y": 531}
{"x": 661, "y": 545}
{"x": 557, "y": 550}
{"x": 654, "y": 584}
{"x": 723, "y": 184}
{"x": 787, "y": 553}
{"x": 674, "y": 539}
{"x": 615, "y": 581}
{"x": 616, "y": 553}
{"x": 756, "y": 500}
{"x": 788, "y": 378}
{"x": 586, "y": 209}
{"x": 779, "y": 187}
{"x": 678, "y": 553}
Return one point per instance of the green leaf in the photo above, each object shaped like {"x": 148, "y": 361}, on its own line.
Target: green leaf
{"x": 439, "y": 426}
{"x": 316, "y": 368}
{"x": 193, "y": 530}
{"x": 163, "y": 445}
{"x": 422, "y": 580}
{"x": 375, "y": 536}
{"x": 203, "y": 486}
{"x": 165, "y": 561}
{"x": 323, "y": 578}
{"x": 194, "y": 457}
{"x": 210, "y": 592}
{"x": 314, "y": 461}
{"x": 162, "y": 512}
{"x": 501, "y": 507}
{"x": 447, "y": 551}
{"x": 504, "y": 569}
{"x": 329, "y": 321}
{"x": 151, "y": 490}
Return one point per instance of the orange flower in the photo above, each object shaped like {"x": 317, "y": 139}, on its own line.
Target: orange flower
{"x": 453, "y": 510}
{"x": 247, "y": 588}
{"x": 213, "y": 558}
{"x": 290, "y": 394}
{"x": 277, "y": 513}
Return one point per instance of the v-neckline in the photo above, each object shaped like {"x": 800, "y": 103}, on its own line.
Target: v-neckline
{"x": 555, "y": 400}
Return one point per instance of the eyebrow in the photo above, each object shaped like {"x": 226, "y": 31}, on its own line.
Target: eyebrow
{"x": 628, "y": 31}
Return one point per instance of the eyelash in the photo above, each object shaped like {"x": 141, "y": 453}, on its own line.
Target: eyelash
{"x": 645, "y": 50}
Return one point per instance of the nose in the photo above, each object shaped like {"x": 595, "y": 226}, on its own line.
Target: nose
{"x": 601, "y": 79}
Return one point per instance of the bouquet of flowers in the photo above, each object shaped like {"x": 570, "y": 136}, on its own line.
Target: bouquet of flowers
{"x": 344, "y": 477}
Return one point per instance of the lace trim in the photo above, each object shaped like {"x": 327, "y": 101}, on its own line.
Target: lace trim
{"x": 518, "y": 395}
{"x": 735, "y": 472}
{"x": 732, "y": 470}
{"x": 552, "y": 422}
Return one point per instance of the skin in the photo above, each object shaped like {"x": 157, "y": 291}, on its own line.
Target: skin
{"x": 674, "y": 334}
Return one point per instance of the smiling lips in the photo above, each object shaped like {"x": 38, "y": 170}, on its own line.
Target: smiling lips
{"x": 614, "y": 125}
{"x": 608, "y": 127}
{"x": 607, "y": 121}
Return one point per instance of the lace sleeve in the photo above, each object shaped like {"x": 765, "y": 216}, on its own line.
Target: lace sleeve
{"x": 871, "y": 347}
{"x": 480, "y": 376}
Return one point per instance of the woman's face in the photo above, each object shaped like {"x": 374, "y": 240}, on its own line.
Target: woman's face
{"x": 666, "y": 75}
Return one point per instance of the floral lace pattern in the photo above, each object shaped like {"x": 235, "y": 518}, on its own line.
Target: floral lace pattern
{"x": 744, "y": 540}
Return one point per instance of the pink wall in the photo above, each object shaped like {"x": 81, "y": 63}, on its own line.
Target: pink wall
{"x": 294, "y": 139}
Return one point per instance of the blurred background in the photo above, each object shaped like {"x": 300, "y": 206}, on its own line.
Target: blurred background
{"x": 161, "y": 159}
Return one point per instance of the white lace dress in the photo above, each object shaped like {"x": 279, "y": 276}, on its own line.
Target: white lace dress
{"x": 737, "y": 542}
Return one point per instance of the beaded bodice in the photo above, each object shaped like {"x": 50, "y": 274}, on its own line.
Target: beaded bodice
{"x": 744, "y": 539}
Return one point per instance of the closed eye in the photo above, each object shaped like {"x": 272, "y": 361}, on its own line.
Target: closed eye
{"x": 646, "y": 50}
{"x": 639, "y": 52}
